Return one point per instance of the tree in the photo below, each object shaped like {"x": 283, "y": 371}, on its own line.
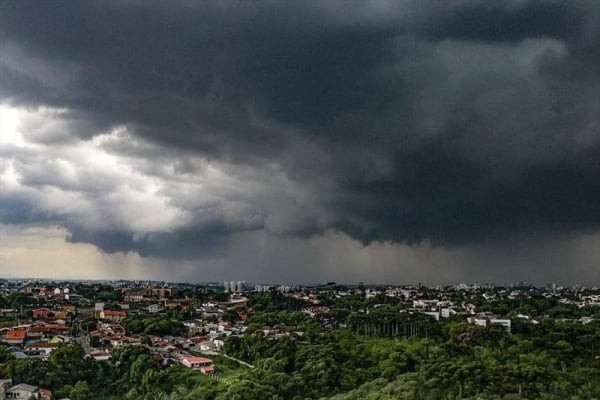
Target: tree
{"x": 81, "y": 391}
{"x": 247, "y": 390}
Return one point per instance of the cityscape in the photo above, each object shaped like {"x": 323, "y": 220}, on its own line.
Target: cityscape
{"x": 300, "y": 200}
{"x": 223, "y": 339}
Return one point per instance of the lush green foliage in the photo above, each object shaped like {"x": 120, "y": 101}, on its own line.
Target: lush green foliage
{"x": 153, "y": 324}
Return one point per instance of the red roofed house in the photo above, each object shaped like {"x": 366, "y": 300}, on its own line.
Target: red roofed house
{"x": 45, "y": 394}
{"x": 207, "y": 370}
{"x": 55, "y": 329}
{"x": 204, "y": 364}
{"x": 15, "y": 336}
{"x": 36, "y": 331}
{"x": 42, "y": 313}
{"x": 113, "y": 315}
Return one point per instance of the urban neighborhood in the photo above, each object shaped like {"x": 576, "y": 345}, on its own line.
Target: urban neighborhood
{"x": 208, "y": 328}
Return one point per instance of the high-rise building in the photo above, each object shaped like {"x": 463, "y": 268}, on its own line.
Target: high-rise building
{"x": 240, "y": 286}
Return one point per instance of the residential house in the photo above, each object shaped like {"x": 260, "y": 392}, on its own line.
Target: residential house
{"x": 4, "y": 384}
{"x": 63, "y": 316}
{"x": 76, "y": 298}
{"x": 270, "y": 331}
{"x": 208, "y": 347}
{"x": 205, "y": 365}
{"x": 43, "y": 313}
{"x": 22, "y": 391}
{"x": 62, "y": 339}
{"x": 8, "y": 312}
{"x": 100, "y": 356}
{"x": 36, "y": 331}
{"x": 55, "y": 329}
{"x": 171, "y": 304}
{"x": 35, "y": 289}
{"x": 15, "y": 336}
{"x": 68, "y": 308}
{"x": 113, "y": 315}
{"x": 219, "y": 342}
{"x": 45, "y": 348}
{"x": 45, "y": 394}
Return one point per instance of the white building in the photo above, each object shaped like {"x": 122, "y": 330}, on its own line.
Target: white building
{"x": 205, "y": 365}
{"x": 22, "y": 391}
{"x": 154, "y": 308}
{"x": 502, "y": 322}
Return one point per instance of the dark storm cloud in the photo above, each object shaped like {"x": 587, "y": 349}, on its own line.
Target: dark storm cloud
{"x": 507, "y": 21}
{"x": 177, "y": 245}
{"x": 451, "y": 122}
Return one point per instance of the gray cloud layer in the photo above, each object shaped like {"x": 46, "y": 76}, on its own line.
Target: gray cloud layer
{"x": 456, "y": 123}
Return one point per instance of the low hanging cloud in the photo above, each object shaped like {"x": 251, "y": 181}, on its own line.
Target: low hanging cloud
{"x": 125, "y": 194}
{"x": 171, "y": 129}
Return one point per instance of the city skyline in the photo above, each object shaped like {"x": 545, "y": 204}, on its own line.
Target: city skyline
{"x": 298, "y": 142}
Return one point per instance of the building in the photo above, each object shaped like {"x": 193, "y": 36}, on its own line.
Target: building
{"x": 15, "y": 336}
{"x": 44, "y": 348}
{"x": 205, "y": 365}
{"x": 98, "y": 308}
{"x": 35, "y": 289}
{"x": 239, "y": 287}
{"x": 45, "y": 394}
{"x": 100, "y": 356}
{"x": 161, "y": 292}
{"x": 4, "y": 384}
{"x": 113, "y": 315}
{"x": 136, "y": 295}
{"x": 42, "y": 313}
{"x": 488, "y": 321}
{"x": 147, "y": 293}
{"x": 154, "y": 308}
{"x": 502, "y": 322}
{"x": 434, "y": 314}
{"x": 22, "y": 391}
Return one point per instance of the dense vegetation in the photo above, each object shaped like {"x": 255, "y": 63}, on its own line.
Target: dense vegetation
{"x": 153, "y": 325}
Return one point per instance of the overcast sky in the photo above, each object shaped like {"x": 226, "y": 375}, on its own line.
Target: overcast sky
{"x": 386, "y": 142}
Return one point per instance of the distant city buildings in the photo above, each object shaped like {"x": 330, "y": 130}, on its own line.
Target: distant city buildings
{"x": 233, "y": 286}
{"x": 261, "y": 288}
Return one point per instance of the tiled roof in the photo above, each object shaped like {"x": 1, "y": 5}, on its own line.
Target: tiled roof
{"x": 115, "y": 313}
{"x": 23, "y": 386}
{"x": 193, "y": 360}
{"x": 16, "y": 334}
{"x": 41, "y": 345}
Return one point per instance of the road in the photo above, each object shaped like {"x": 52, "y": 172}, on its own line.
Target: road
{"x": 239, "y": 361}
{"x": 85, "y": 344}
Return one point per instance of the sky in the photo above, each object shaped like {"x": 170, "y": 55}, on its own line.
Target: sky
{"x": 298, "y": 142}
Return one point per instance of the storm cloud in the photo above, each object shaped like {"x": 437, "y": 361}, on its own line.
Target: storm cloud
{"x": 174, "y": 129}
